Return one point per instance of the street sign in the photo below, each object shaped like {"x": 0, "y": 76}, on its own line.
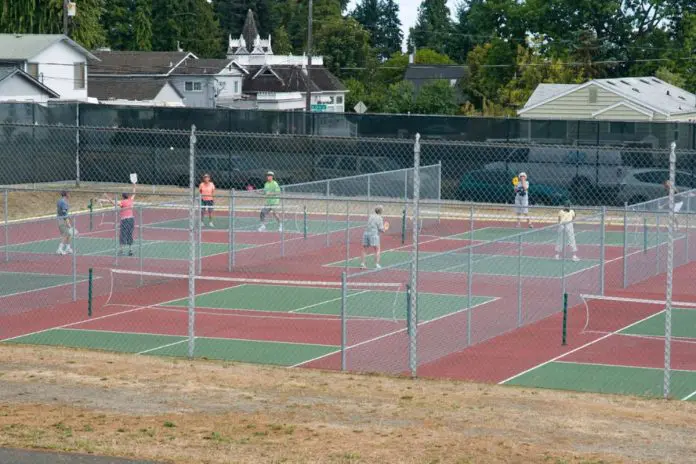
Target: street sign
{"x": 360, "y": 107}
{"x": 319, "y": 107}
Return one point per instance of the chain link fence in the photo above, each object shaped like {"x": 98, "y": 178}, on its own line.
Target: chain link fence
{"x": 469, "y": 289}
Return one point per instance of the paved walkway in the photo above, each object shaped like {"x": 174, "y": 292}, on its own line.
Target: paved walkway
{"x": 14, "y": 456}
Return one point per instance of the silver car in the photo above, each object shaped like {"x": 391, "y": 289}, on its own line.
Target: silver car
{"x": 639, "y": 185}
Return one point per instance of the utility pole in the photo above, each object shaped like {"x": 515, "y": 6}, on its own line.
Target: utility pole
{"x": 65, "y": 17}
{"x": 309, "y": 59}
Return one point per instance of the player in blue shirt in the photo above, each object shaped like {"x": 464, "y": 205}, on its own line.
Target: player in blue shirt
{"x": 64, "y": 225}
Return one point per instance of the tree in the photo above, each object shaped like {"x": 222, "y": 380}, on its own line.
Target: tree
{"x": 343, "y": 44}
{"x": 128, "y": 24}
{"x": 281, "y": 42}
{"x": 369, "y": 15}
{"x": 391, "y": 34}
{"x": 491, "y": 66}
{"x": 394, "y": 69}
{"x": 436, "y": 97}
{"x": 34, "y": 17}
{"x": 400, "y": 98}
{"x": 231, "y": 15}
{"x": 189, "y": 24}
{"x": 372, "y": 96}
{"x": 433, "y": 27}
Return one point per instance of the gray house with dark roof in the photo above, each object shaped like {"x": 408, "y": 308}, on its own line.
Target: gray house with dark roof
{"x": 18, "y": 86}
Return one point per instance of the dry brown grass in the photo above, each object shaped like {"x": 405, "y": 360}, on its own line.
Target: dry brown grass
{"x": 204, "y": 412}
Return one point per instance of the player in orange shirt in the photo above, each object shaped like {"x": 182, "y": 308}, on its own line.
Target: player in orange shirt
{"x": 207, "y": 190}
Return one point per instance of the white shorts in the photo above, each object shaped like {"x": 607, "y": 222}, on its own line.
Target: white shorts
{"x": 370, "y": 240}
{"x": 522, "y": 204}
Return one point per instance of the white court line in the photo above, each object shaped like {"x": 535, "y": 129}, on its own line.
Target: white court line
{"x": 519, "y": 374}
{"x": 389, "y": 250}
{"x": 647, "y": 368}
{"x": 42, "y": 288}
{"x": 364, "y": 342}
{"x": 689, "y": 396}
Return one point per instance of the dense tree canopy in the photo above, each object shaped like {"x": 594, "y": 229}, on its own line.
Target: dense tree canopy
{"x": 508, "y": 46}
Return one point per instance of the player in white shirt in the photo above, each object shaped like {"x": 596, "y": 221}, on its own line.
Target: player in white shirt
{"x": 566, "y": 216}
{"x": 522, "y": 198}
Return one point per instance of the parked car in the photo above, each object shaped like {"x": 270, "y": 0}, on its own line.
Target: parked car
{"x": 641, "y": 185}
{"x": 495, "y": 186}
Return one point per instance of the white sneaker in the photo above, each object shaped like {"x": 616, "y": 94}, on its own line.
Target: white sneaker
{"x": 60, "y": 251}
{"x": 377, "y": 266}
{"x": 280, "y": 228}
{"x": 211, "y": 224}
{"x": 262, "y": 228}
{"x": 362, "y": 266}
{"x": 68, "y": 251}
{"x": 557, "y": 257}
{"x": 575, "y": 258}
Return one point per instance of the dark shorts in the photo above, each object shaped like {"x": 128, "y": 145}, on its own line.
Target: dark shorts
{"x": 207, "y": 203}
{"x": 265, "y": 211}
{"x": 127, "y": 226}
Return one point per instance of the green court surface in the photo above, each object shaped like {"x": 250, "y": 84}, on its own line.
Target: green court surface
{"x": 247, "y": 223}
{"x": 602, "y": 378}
{"x": 683, "y": 325}
{"x": 21, "y": 282}
{"x": 96, "y": 246}
{"x": 311, "y": 300}
{"x": 635, "y": 236}
{"x": 481, "y": 264}
{"x": 252, "y": 351}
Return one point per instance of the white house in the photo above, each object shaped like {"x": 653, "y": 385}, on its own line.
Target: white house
{"x": 135, "y": 91}
{"x": 624, "y": 106}
{"x": 18, "y": 86}
{"x": 280, "y": 82}
{"x": 55, "y": 60}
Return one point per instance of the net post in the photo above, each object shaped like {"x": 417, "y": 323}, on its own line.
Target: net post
{"x": 140, "y": 243}
{"x": 90, "y": 208}
{"x": 625, "y": 246}
{"x": 304, "y": 222}
{"x": 602, "y": 249}
{"x": 565, "y": 320}
{"x": 670, "y": 273}
{"x": 344, "y": 331}
{"x": 74, "y": 257}
{"x": 413, "y": 338}
{"x": 6, "y": 221}
{"x": 192, "y": 245}
{"x": 406, "y": 185}
{"x": 328, "y": 194}
{"x": 89, "y": 292}
{"x": 519, "y": 280}
{"x": 230, "y": 232}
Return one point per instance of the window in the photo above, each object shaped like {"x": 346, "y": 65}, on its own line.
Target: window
{"x": 236, "y": 86}
{"x": 33, "y": 70}
{"x": 593, "y": 94}
{"x": 79, "y": 75}
{"x": 339, "y": 100}
{"x": 191, "y": 86}
{"x": 622, "y": 127}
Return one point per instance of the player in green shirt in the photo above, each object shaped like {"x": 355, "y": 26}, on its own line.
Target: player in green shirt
{"x": 271, "y": 190}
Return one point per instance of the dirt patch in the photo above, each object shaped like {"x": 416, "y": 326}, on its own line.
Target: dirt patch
{"x": 180, "y": 411}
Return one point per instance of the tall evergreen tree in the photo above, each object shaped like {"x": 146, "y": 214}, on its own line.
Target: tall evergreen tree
{"x": 368, "y": 13}
{"x": 128, "y": 24}
{"x": 392, "y": 36}
{"x": 189, "y": 24}
{"x": 433, "y": 27}
{"x": 232, "y": 13}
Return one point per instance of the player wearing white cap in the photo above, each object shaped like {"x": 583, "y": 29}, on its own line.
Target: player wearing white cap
{"x": 522, "y": 198}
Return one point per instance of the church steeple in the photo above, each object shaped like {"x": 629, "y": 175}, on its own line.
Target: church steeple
{"x": 250, "y": 32}
{"x": 249, "y": 42}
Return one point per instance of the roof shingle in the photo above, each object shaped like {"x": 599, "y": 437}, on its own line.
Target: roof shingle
{"x": 147, "y": 63}
{"x": 20, "y": 47}
{"x": 126, "y": 88}
{"x": 292, "y": 79}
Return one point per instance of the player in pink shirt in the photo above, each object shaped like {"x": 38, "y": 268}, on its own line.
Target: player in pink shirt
{"x": 127, "y": 220}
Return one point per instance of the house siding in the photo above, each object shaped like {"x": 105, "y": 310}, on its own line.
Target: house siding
{"x": 56, "y": 70}
{"x": 624, "y": 113}
{"x": 226, "y": 84}
{"x": 168, "y": 94}
{"x": 19, "y": 88}
{"x": 203, "y": 99}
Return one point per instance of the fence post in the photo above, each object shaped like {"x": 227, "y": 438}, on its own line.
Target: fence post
{"x": 282, "y": 223}
{"x": 670, "y": 273}
{"x": 77, "y": 145}
{"x": 328, "y": 194}
{"x": 602, "y": 250}
{"x": 625, "y": 246}
{"x": 413, "y": 339}
{"x": 469, "y": 282}
{"x": 192, "y": 245}
{"x": 519, "y": 280}
{"x": 369, "y": 192}
{"x": 471, "y": 223}
{"x": 563, "y": 261}
{"x": 347, "y": 233}
{"x": 117, "y": 231}
{"x": 688, "y": 220}
{"x": 230, "y": 232}
{"x": 6, "y": 221}
{"x": 657, "y": 244}
{"x": 140, "y": 243}
{"x": 439, "y": 189}
{"x": 199, "y": 254}
{"x": 74, "y": 257}
{"x": 344, "y": 334}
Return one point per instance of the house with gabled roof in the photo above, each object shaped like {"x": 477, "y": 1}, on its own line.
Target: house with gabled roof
{"x": 622, "y": 104}
{"x": 18, "y": 86}
{"x": 54, "y": 60}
